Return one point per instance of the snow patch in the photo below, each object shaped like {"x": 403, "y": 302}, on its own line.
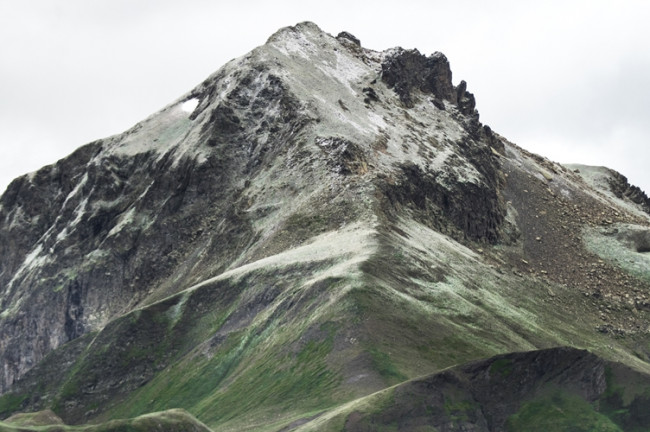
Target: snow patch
{"x": 30, "y": 259}
{"x": 190, "y": 105}
{"x": 160, "y": 132}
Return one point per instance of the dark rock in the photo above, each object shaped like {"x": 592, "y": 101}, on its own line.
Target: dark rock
{"x": 466, "y": 101}
{"x": 475, "y": 211}
{"x": 620, "y": 186}
{"x": 73, "y": 326}
{"x": 371, "y": 95}
{"x": 493, "y": 140}
{"x": 438, "y": 104}
{"x": 407, "y": 70}
{"x": 344, "y": 156}
{"x": 347, "y": 36}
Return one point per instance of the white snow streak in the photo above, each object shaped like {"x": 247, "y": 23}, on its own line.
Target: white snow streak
{"x": 189, "y": 105}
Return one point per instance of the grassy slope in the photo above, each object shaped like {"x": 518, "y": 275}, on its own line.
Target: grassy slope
{"x": 471, "y": 397}
{"x": 175, "y": 420}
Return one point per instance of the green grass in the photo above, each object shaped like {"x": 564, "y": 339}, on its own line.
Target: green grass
{"x": 276, "y": 383}
{"x": 459, "y": 410}
{"x": 382, "y": 363}
{"x": 502, "y": 366}
{"x": 626, "y": 403}
{"x": 10, "y": 403}
{"x": 169, "y": 421}
{"x": 560, "y": 412}
{"x": 243, "y": 378}
{"x": 407, "y": 318}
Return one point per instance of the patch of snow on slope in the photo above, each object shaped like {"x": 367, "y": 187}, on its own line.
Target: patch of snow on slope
{"x": 18, "y": 218}
{"x": 377, "y": 120}
{"x": 227, "y": 86}
{"x": 12, "y": 309}
{"x": 189, "y": 105}
{"x": 65, "y": 231}
{"x": 440, "y": 159}
{"x": 78, "y": 212}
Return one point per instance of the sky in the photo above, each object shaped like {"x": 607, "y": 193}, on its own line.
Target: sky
{"x": 569, "y": 80}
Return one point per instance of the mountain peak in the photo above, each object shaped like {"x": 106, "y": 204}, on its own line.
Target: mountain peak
{"x": 217, "y": 177}
{"x": 314, "y": 222}
{"x": 304, "y": 28}
{"x": 405, "y": 70}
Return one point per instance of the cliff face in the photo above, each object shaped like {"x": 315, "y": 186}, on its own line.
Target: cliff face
{"x": 315, "y": 221}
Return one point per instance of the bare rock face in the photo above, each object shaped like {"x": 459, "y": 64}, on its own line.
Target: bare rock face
{"x": 408, "y": 70}
{"x": 350, "y": 37}
{"x": 464, "y": 210}
{"x": 623, "y": 189}
{"x": 100, "y": 232}
{"x": 125, "y": 226}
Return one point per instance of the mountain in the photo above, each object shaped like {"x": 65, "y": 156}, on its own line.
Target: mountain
{"x": 322, "y": 237}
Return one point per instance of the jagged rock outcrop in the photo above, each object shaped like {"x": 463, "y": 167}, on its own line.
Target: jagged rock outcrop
{"x": 408, "y": 70}
{"x": 623, "y": 189}
{"x": 350, "y": 37}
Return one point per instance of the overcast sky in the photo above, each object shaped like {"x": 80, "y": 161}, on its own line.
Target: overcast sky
{"x": 568, "y": 79}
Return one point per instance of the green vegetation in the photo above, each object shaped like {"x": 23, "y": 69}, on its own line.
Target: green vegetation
{"x": 501, "y": 366}
{"x": 382, "y": 363}
{"x": 626, "y": 403}
{"x": 618, "y": 247}
{"x": 560, "y": 412}
{"x": 257, "y": 379}
{"x": 169, "y": 421}
{"x": 612, "y": 403}
{"x": 10, "y": 403}
{"x": 459, "y": 410}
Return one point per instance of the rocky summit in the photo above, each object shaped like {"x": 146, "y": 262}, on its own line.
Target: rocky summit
{"x": 323, "y": 237}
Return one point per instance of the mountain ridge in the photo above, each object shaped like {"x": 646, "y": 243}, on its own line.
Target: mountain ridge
{"x": 327, "y": 221}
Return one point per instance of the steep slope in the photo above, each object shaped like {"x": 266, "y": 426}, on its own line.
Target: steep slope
{"x": 313, "y": 223}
